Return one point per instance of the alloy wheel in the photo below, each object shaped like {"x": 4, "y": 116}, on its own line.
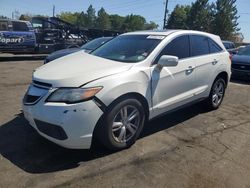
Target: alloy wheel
{"x": 218, "y": 92}
{"x": 126, "y": 123}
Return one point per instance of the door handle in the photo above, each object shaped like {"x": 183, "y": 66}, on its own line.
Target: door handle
{"x": 214, "y": 62}
{"x": 190, "y": 69}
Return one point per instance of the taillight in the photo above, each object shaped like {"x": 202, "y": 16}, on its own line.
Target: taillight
{"x": 230, "y": 57}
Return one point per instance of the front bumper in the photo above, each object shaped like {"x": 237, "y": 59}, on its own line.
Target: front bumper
{"x": 76, "y": 121}
{"x": 244, "y": 74}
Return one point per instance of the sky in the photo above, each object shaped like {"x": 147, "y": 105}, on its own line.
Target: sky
{"x": 152, "y": 10}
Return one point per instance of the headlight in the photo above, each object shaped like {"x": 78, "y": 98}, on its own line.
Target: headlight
{"x": 73, "y": 95}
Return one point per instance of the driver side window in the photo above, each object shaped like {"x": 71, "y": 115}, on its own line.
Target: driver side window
{"x": 178, "y": 47}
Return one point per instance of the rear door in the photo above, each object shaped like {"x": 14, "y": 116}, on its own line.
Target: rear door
{"x": 206, "y": 56}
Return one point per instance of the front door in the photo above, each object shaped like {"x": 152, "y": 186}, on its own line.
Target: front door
{"x": 173, "y": 86}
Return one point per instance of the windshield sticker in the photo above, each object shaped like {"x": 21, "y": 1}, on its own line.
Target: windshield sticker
{"x": 158, "y": 37}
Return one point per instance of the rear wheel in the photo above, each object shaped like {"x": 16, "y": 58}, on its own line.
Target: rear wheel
{"x": 122, "y": 124}
{"x": 216, "y": 94}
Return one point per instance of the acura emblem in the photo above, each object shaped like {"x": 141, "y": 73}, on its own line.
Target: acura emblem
{"x": 242, "y": 67}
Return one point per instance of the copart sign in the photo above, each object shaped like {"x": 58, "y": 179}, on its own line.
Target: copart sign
{"x": 11, "y": 40}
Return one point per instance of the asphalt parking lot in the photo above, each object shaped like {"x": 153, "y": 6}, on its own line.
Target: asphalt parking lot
{"x": 187, "y": 148}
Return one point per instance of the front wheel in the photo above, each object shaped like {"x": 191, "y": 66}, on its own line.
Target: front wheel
{"x": 122, "y": 124}
{"x": 216, "y": 94}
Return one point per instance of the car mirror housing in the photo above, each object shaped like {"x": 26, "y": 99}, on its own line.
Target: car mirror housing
{"x": 168, "y": 61}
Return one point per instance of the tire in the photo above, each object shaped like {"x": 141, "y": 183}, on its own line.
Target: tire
{"x": 116, "y": 131}
{"x": 216, "y": 94}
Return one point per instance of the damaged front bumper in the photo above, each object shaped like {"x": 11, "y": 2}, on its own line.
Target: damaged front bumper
{"x": 68, "y": 125}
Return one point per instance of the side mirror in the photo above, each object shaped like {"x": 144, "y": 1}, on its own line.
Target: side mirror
{"x": 168, "y": 61}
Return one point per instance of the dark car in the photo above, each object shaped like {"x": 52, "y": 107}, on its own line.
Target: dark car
{"x": 241, "y": 63}
{"x": 230, "y": 46}
{"x": 87, "y": 48}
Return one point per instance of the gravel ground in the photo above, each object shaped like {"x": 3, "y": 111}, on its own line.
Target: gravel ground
{"x": 187, "y": 148}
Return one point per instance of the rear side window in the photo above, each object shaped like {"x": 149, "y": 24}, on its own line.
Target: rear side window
{"x": 199, "y": 45}
{"x": 3, "y": 26}
{"x": 178, "y": 47}
{"x": 20, "y": 26}
{"x": 214, "y": 47}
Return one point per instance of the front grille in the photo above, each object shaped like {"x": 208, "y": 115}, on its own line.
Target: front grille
{"x": 51, "y": 130}
{"x": 243, "y": 67}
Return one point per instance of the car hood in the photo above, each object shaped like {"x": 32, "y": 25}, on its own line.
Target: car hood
{"x": 239, "y": 59}
{"x": 61, "y": 53}
{"x": 78, "y": 69}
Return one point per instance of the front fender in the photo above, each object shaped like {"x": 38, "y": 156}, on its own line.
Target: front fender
{"x": 129, "y": 82}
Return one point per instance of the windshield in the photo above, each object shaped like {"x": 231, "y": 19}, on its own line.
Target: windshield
{"x": 244, "y": 51}
{"x": 95, "y": 43}
{"x": 128, "y": 48}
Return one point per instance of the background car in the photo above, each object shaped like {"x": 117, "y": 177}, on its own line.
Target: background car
{"x": 241, "y": 63}
{"x": 230, "y": 46}
{"x": 88, "y": 47}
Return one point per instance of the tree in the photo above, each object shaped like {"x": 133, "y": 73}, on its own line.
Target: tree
{"x": 103, "y": 20}
{"x": 91, "y": 17}
{"x": 25, "y": 17}
{"x": 225, "y": 22}
{"x": 3, "y": 17}
{"x": 133, "y": 23}
{"x": 116, "y": 22}
{"x": 200, "y": 16}
{"x": 178, "y": 18}
{"x": 150, "y": 26}
{"x": 69, "y": 17}
{"x": 81, "y": 19}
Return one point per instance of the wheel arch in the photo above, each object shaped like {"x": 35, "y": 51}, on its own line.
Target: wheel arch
{"x": 223, "y": 75}
{"x": 133, "y": 95}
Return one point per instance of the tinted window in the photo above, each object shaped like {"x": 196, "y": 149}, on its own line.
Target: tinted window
{"x": 95, "y": 43}
{"x": 214, "y": 48}
{"x": 3, "y": 26}
{"x": 227, "y": 45}
{"x": 244, "y": 51}
{"x": 128, "y": 48}
{"x": 178, "y": 47}
{"x": 20, "y": 26}
{"x": 199, "y": 45}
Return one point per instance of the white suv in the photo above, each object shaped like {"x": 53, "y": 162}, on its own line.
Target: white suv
{"x": 110, "y": 93}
